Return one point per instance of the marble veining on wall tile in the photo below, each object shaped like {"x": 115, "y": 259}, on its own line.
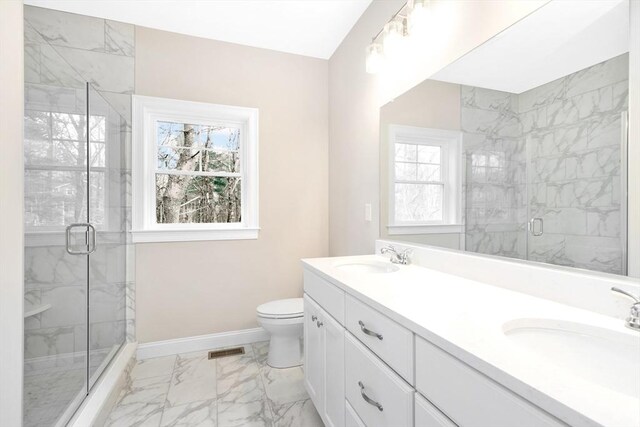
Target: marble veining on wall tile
{"x": 564, "y": 142}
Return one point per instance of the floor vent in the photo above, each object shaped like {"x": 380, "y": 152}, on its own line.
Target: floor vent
{"x": 227, "y": 352}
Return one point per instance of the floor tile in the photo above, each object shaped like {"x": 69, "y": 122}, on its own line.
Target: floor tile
{"x": 284, "y": 385}
{"x": 236, "y": 366}
{"x": 252, "y": 414}
{"x": 240, "y": 390}
{"x": 200, "y": 414}
{"x": 297, "y": 414}
{"x": 261, "y": 351}
{"x": 155, "y": 367}
{"x": 190, "y": 390}
{"x": 194, "y": 379}
{"x": 145, "y": 391}
{"x": 135, "y": 415}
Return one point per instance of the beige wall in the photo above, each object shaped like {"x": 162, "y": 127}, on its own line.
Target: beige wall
{"x": 431, "y": 104}
{"x": 11, "y": 220}
{"x": 192, "y": 288}
{"x": 355, "y": 95}
{"x": 353, "y": 137}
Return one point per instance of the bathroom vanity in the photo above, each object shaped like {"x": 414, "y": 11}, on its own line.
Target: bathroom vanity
{"x": 404, "y": 345}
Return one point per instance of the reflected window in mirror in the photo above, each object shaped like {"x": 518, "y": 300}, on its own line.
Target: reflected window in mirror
{"x": 425, "y": 182}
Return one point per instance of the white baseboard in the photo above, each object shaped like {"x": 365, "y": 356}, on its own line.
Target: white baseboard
{"x": 98, "y": 404}
{"x": 201, "y": 343}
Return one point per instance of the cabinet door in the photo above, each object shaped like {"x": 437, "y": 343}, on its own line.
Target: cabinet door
{"x": 334, "y": 409}
{"x": 313, "y": 353}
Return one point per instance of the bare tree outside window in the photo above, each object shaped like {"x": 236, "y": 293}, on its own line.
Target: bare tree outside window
{"x": 198, "y": 177}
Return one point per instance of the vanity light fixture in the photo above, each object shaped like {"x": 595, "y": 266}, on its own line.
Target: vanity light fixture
{"x": 417, "y": 16}
{"x": 375, "y": 57}
{"x": 410, "y": 20}
{"x": 392, "y": 36}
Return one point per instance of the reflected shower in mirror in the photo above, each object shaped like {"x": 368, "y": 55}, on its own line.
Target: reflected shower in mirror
{"x": 518, "y": 149}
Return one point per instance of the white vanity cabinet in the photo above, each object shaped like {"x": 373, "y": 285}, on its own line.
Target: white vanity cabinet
{"x": 324, "y": 363}
{"x": 363, "y": 369}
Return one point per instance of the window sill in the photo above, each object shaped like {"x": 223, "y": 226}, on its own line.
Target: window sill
{"x": 424, "y": 229}
{"x": 193, "y": 235}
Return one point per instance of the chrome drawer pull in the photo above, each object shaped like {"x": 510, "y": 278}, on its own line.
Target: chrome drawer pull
{"x": 314, "y": 318}
{"x": 319, "y": 323}
{"x": 367, "y": 331}
{"x": 367, "y": 399}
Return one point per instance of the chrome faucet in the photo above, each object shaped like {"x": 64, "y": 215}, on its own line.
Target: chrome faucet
{"x": 397, "y": 257}
{"x": 633, "y": 321}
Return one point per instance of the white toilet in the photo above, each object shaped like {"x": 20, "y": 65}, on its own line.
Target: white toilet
{"x": 283, "y": 319}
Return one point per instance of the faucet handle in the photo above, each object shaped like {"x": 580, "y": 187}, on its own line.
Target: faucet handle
{"x": 627, "y": 294}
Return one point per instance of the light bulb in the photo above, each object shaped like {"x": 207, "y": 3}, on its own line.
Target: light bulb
{"x": 374, "y": 58}
{"x": 417, "y": 17}
{"x": 392, "y": 37}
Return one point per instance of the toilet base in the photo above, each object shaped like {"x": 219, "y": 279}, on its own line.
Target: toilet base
{"x": 284, "y": 351}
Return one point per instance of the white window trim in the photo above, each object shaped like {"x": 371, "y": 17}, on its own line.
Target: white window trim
{"x": 147, "y": 111}
{"x": 450, "y": 143}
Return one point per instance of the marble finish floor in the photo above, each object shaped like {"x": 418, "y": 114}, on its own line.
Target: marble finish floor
{"x": 190, "y": 390}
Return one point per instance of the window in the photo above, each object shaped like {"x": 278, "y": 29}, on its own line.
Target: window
{"x": 195, "y": 171}
{"x": 56, "y": 170}
{"x": 425, "y": 182}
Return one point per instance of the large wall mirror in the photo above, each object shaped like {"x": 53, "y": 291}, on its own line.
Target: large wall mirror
{"x": 518, "y": 149}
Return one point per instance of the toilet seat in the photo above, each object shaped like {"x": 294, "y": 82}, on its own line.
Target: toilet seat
{"x": 289, "y": 308}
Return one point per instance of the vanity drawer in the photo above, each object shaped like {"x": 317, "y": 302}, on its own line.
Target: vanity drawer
{"x": 469, "y": 398}
{"x": 328, "y": 296}
{"x": 392, "y": 342}
{"x": 352, "y": 419}
{"x": 367, "y": 377}
{"x": 427, "y": 415}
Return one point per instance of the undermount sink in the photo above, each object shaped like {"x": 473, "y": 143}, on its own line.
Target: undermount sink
{"x": 602, "y": 356}
{"x": 368, "y": 267}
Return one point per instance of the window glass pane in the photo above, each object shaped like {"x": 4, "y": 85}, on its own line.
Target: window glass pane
{"x": 428, "y": 172}
{"x": 96, "y": 128}
{"x": 97, "y": 198}
{"x": 191, "y": 135}
{"x": 406, "y": 153}
{"x": 98, "y": 154}
{"x": 428, "y": 154}
{"x": 418, "y": 202}
{"x": 170, "y": 134}
{"x": 68, "y": 126}
{"x": 478, "y": 159}
{"x": 225, "y": 138}
{"x": 54, "y": 198}
{"x": 405, "y": 171}
{"x": 221, "y": 161}
{"x": 496, "y": 160}
{"x": 197, "y": 199}
{"x": 183, "y": 159}
{"x": 36, "y": 125}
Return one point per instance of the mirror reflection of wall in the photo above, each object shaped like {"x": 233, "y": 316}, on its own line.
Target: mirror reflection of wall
{"x": 540, "y": 174}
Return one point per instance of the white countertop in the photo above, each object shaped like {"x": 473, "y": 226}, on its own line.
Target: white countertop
{"x": 466, "y": 318}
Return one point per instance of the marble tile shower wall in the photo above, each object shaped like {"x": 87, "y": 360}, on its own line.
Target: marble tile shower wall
{"x": 552, "y": 152}
{"x": 495, "y": 173}
{"x": 573, "y": 132}
{"x": 62, "y": 52}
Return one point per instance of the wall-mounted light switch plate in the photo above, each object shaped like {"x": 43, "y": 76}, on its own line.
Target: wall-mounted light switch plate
{"x": 367, "y": 212}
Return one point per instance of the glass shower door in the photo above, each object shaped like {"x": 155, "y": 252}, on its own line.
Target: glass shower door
{"x": 57, "y": 243}
{"x": 108, "y": 179}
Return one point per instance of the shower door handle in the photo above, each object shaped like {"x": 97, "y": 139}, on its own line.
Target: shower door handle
{"x": 532, "y": 227}
{"x": 90, "y": 233}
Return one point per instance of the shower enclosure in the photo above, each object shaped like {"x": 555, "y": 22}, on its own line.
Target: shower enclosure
{"x": 76, "y": 213}
{"x": 546, "y": 169}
